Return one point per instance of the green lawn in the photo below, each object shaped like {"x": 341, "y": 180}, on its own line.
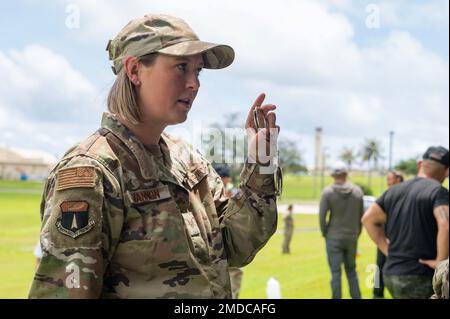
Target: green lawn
{"x": 19, "y": 230}
{"x": 308, "y": 188}
{"x": 8, "y": 186}
{"x": 303, "y": 274}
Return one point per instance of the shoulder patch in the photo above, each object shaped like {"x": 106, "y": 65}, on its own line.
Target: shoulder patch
{"x": 75, "y": 220}
{"x": 73, "y": 177}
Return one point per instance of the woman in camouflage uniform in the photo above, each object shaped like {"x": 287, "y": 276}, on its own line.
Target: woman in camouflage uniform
{"x": 132, "y": 212}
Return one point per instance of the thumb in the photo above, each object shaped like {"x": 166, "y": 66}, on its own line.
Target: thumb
{"x": 424, "y": 262}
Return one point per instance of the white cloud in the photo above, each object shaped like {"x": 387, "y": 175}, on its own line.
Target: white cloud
{"x": 42, "y": 85}
{"x": 406, "y": 14}
{"x": 303, "y": 54}
{"x": 44, "y": 101}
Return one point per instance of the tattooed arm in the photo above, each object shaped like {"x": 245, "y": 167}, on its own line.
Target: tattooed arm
{"x": 441, "y": 215}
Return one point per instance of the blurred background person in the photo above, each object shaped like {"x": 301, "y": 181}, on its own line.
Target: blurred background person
{"x": 235, "y": 273}
{"x": 288, "y": 229}
{"x": 409, "y": 224}
{"x": 392, "y": 178}
{"x": 343, "y": 202}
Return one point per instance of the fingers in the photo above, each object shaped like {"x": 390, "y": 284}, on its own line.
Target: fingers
{"x": 259, "y": 101}
{"x": 251, "y": 118}
{"x": 429, "y": 263}
{"x": 267, "y": 108}
{"x": 261, "y": 119}
{"x": 257, "y": 117}
{"x": 271, "y": 119}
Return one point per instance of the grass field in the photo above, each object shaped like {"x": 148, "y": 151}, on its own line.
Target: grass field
{"x": 307, "y": 188}
{"x": 19, "y": 230}
{"x": 303, "y": 274}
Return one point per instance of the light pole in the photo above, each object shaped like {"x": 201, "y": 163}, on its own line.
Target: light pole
{"x": 391, "y": 145}
{"x": 317, "y": 157}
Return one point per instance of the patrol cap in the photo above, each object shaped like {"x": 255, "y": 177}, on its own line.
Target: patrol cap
{"x": 168, "y": 35}
{"x": 438, "y": 154}
{"x": 339, "y": 172}
{"x": 222, "y": 170}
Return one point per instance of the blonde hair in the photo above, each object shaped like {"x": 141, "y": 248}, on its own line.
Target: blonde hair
{"x": 122, "y": 97}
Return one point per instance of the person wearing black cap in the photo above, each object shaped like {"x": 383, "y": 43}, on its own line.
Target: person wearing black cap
{"x": 409, "y": 224}
{"x": 343, "y": 203}
{"x": 224, "y": 173}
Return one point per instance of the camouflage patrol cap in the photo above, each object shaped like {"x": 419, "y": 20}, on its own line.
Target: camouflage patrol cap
{"x": 168, "y": 35}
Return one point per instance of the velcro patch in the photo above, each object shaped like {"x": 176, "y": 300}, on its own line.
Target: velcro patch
{"x": 73, "y": 177}
{"x": 74, "y": 207}
{"x": 75, "y": 220}
{"x": 149, "y": 195}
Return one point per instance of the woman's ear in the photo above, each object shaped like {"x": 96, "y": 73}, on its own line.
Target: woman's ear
{"x": 131, "y": 64}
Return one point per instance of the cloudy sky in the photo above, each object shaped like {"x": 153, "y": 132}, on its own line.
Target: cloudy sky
{"x": 359, "y": 69}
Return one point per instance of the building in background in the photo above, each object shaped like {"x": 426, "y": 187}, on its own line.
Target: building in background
{"x": 25, "y": 164}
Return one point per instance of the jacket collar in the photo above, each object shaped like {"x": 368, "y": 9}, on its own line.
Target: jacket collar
{"x": 179, "y": 166}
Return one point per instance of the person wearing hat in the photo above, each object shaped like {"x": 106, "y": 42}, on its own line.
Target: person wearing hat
{"x": 409, "y": 224}
{"x": 236, "y": 274}
{"x": 340, "y": 212}
{"x": 394, "y": 178}
{"x": 224, "y": 173}
{"x": 288, "y": 219}
{"x": 132, "y": 212}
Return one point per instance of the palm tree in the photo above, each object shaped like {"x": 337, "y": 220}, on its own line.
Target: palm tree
{"x": 348, "y": 156}
{"x": 371, "y": 153}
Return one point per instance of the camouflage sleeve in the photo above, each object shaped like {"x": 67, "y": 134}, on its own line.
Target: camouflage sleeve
{"x": 81, "y": 222}
{"x": 440, "y": 281}
{"x": 249, "y": 218}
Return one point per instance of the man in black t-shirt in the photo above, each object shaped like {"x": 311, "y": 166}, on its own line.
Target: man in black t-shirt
{"x": 415, "y": 215}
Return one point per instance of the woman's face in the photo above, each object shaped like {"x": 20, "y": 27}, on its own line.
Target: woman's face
{"x": 168, "y": 88}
